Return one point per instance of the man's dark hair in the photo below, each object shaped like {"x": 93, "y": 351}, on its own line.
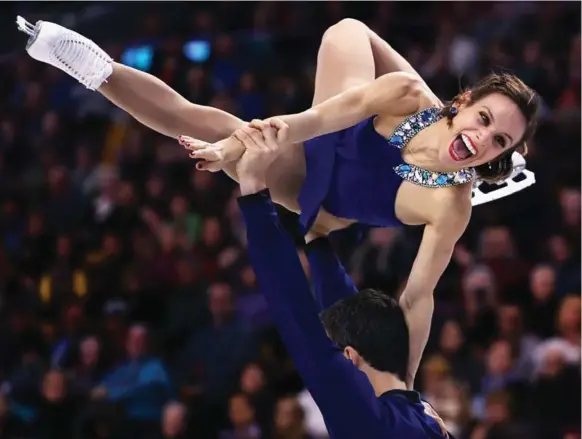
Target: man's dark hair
{"x": 372, "y": 323}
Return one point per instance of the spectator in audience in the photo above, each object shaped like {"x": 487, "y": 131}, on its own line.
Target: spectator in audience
{"x": 141, "y": 384}
{"x": 480, "y": 299}
{"x": 568, "y": 332}
{"x": 175, "y": 421}
{"x": 55, "y": 409}
{"x": 213, "y": 358}
{"x": 9, "y": 426}
{"x": 254, "y": 385}
{"x": 105, "y": 226}
{"x": 498, "y": 420}
{"x": 85, "y": 174}
{"x": 87, "y": 367}
{"x": 544, "y": 302}
{"x": 498, "y": 251}
{"x": 183, "y": 220}
{"x": 500, "y": 365}
{"x": 555, "y": 380}
{"x": 289, "y": 420}
{"x": 510, "y": 328}
{"x": 448, "y": 396}
{"x": 382, "y": 257}
{"x": 63, "y": 282}
{"x": 36, "y": 246}
{"x": 241, "y": 414}
{"x": 26, "y": 378}
{"x": 567, "y": 263}
{"x": 453, "y": 347}
{"x": 186, "y": 308}
{"x": 64, "y": 204}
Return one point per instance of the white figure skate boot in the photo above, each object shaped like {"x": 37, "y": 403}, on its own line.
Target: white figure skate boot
{"x": 68, "y": 51}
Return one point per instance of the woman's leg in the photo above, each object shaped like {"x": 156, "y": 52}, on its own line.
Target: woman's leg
{"x": 158, "y": 106}
{"x": 345, "y": 59}
{"x": 350, "y": 54}
{"x": 387, "y": 60}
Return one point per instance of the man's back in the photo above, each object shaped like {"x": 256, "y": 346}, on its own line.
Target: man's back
{"x": 414, "y": 418}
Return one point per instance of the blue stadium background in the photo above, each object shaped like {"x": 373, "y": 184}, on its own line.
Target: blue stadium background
{"x": 128, "y": 305}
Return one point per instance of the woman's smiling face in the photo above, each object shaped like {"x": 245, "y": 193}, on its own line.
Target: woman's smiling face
{"x": 483, "y": 130}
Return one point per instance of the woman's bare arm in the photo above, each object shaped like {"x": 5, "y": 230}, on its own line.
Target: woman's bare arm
{"x": 398, "y": 92}
{"x": 436, "y": 249}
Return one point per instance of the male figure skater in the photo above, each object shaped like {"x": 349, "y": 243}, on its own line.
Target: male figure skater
{"x": 354, "y": 359}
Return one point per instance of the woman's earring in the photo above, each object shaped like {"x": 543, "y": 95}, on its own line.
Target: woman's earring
{"x": 453, "y": 110}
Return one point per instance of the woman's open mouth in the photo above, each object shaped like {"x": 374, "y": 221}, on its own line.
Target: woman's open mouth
{"x": 462, "y": 148}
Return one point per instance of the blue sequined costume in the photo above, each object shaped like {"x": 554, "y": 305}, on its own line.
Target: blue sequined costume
{"x": 355, "y": 173}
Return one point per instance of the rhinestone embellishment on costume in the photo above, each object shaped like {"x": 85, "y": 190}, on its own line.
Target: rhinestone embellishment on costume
{"x": 431, "y": 179}
{"x": 404, "y": 132}
{"x": 412, "y": 125}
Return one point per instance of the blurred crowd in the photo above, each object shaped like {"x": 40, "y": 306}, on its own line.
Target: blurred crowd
{"x": 128, "y": 306}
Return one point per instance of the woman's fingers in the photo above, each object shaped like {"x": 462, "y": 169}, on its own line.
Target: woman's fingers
{"x": 282, "y": 129}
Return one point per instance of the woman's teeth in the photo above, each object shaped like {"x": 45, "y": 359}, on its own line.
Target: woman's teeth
{"x": 468, "y": 144}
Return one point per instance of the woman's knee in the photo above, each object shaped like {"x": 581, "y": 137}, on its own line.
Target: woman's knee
{"x": 344, "y": 29}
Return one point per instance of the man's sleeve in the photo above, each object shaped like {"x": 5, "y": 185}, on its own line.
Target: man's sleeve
{"x": 335, "y": 384}
{"x": 330, "y": 280}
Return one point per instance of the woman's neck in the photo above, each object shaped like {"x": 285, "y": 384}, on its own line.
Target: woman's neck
{"x": 424, "y": 149}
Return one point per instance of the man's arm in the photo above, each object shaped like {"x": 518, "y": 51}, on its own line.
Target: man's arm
{"x": 335, "y": 384}
{"x": 330, "y": 280}
{"x": 151, "y": 380}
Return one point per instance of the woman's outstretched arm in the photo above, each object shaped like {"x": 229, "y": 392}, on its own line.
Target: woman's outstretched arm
{"x": 399, "y": 93}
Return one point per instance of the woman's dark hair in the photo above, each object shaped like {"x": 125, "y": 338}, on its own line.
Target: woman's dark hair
{"x": 524, "y": 97}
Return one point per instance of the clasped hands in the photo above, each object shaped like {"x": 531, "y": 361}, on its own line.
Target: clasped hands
{"x": 257, "y": 133}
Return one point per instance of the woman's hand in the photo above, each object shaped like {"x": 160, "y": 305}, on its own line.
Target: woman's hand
{"x": 273, "y": 123}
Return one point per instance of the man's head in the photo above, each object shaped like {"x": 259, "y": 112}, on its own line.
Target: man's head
{"x": 174, "y": 419}
{"x": 371, "y": 328}
{"x": 136, "y": 342}
{"x": 220, "y": 302}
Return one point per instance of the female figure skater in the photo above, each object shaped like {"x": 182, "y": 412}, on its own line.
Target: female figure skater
{"x": 383, "y": 152}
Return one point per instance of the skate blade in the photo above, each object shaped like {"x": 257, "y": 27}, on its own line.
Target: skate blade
{"x": 29, "y": 29}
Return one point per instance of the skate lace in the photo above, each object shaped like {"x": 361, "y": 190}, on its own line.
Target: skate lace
{"x": 82, "y": 58}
